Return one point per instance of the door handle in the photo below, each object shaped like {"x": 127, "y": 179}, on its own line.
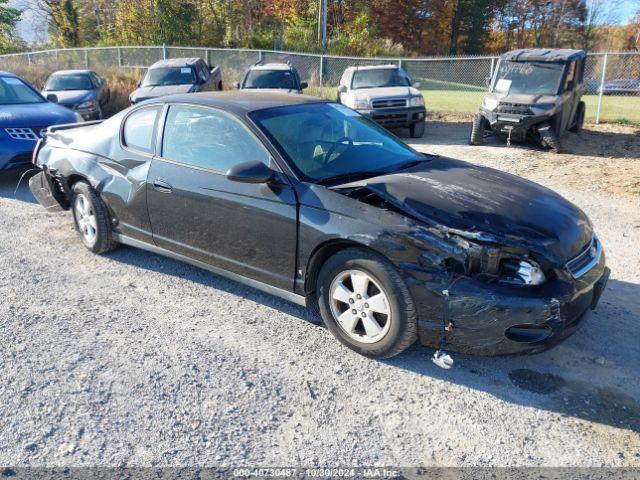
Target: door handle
{"x": 162, "y": 186}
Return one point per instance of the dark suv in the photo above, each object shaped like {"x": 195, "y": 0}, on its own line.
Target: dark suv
{"x": 535, "y": 94}
{"x": 277, "y": 77}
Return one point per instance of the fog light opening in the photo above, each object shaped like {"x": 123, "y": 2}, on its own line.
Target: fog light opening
{"x": 528, "y": 333}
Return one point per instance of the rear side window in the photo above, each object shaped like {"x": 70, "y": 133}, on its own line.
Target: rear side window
{"x": 139, "y": 128}
{"x": 208, "y": 138}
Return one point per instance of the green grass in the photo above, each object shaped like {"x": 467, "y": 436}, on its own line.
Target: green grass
{"x": 452, "y": 97}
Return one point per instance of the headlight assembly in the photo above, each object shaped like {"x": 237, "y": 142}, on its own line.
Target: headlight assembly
{"x": 416, "y": 101}
{"x": 88, "y": 104}
{"x": 490, "y": 103}
{"x": 360, "y": 103}
{"x": 521, "y": 272}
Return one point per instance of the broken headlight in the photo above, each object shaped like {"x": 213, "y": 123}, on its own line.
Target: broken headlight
{"x": 521, "y": 272}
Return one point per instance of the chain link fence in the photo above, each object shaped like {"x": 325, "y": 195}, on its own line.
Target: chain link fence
{"x": 449, "y": 84}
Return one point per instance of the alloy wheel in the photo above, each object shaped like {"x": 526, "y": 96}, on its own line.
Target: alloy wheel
{"x": 86, "y": 218}
{"x": 360, "y": 306}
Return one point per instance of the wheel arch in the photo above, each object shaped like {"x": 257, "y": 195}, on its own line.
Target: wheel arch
{"x": 326, "y": 250}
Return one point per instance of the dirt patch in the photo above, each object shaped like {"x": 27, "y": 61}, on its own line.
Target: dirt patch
{"x": 604, "y": 158}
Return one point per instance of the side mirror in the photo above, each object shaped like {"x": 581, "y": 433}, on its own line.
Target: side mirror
{"x": 139, "y": 83}
{"x": 52, "y": 97}
{"x": 342, "y": 89}
{"x": 416, "y": 85}
{"x": 250, "y": 172}
{"x": 304, "y": 85}
{"x": 487, "y": 81}
{"x": 236, "y": 85}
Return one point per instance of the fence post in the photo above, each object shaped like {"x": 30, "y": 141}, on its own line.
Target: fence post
{"x": 493, "y": 65}
{"x": 164, "y": 51}
{"x": 321, "y": 69}
{"x": 29, "y": 59}
{"x": 399, "y": 63}
{"x": 119, "y": 57}
{"x": 602, "y": 80}
{"x": 86, "y": 58}
{"x": 259, "y": 56}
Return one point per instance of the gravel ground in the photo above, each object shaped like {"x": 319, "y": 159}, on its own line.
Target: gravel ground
{"x": 133, "y": 359}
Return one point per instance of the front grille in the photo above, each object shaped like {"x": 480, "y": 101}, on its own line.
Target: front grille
{"x": 390, "y": 119}
{"x": 586, "y": 259}
{"x": 21, "y": 159}
{"x": 21, "y": 133}
{"x": 389, "y": 103}
{"x": 515, "y": 108}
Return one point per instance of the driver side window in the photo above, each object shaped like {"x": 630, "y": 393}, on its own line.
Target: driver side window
{"x": 208, "y": 138}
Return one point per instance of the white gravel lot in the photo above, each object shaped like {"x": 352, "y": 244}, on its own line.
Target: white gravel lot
{"x": 133, "y": 359}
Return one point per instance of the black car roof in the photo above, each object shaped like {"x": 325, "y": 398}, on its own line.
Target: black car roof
{"x": 239, "y": 101}
{"x": 555, "y": 55}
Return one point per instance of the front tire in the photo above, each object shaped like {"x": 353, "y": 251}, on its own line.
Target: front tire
{"x": 416, "y": 130}
{"x": 91, "y": 218}
{"x": 549, "y": 138}
{"x": 365, "y": 303}
{"x": 478, "y": 127}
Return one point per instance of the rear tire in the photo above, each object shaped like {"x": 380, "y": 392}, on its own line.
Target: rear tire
{"x": 346, "y": 283}
{"x": 416, "y": 130}
{"x": 579, "y": 120}
{"x": 549, "y": 138}
{"x": 91, "y": 218}
{"x": 478, "y": 128}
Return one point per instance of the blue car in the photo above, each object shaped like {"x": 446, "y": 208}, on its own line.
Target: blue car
{"x": 24, "y": 116}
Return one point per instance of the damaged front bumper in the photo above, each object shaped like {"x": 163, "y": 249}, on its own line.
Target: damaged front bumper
{"x": 498, "y": 319}
{"x": 519, "y": 125}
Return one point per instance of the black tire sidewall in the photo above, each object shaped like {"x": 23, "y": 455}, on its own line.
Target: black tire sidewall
{"x": 416, "y": 130}
{"x": 403, "y": 329}
{"x": 103, "y": 241}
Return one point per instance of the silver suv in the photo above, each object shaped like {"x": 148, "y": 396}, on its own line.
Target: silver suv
{"x": 385, "y": 94}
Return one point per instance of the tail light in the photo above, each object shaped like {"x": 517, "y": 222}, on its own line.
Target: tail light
{"x": 34, "y": 157}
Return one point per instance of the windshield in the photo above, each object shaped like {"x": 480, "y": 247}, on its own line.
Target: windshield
{"x": 270, "y": 79}
{"x": 169, "y": 76}
{"x": 387, "y": 77}
{"x": 14, "y": 91}
{"x": 329, "y": 141}
{"x": 537, "y": 78}
{"x": 69, "y": 82}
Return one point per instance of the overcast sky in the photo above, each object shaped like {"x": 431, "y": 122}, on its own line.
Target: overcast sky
{"x": 33, "y": 29}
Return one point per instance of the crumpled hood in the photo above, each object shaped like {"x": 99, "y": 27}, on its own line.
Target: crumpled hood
{"x": 484, "y": 203}
{"x": 385, "y": 92}
{"x": 144, "y": 93}
{"x": 41, "y": 114}
{"x": 70, "y": 97}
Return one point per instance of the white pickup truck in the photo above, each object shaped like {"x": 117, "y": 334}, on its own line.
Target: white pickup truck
{"x": 386, "y": 95}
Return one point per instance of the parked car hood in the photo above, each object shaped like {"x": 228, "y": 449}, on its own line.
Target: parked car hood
{"x": 160, "y": 91}
{"x": 485, "y": 204}
{"x": 272, "y": 90}
{"x": 522, "y": 98}
{"x": 41, "y": 114}
{"x": 70, "y": 97}
{"x": 385, "y": 92}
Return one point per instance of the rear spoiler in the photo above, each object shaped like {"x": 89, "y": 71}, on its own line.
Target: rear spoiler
{"x": 67, "y": 126}
{"x": 55, "y": 128}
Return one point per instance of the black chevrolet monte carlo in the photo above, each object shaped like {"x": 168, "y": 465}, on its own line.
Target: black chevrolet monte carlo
{"x": 308, "y": 200}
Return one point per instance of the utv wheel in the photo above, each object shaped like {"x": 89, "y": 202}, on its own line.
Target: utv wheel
{"x": 478, "y": 128}
{"x": 416, "y": 130}
{"x": 91, "y": 218}
{"x": 579, "y": 120}
{"x": 365, "y": 303}
{"x": 549, "y": 138}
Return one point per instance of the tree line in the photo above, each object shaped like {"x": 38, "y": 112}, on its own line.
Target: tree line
{"x": 355, "y": 27}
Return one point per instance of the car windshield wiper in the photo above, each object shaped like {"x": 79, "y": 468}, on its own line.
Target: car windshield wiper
{"x": 415, "y": 162}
